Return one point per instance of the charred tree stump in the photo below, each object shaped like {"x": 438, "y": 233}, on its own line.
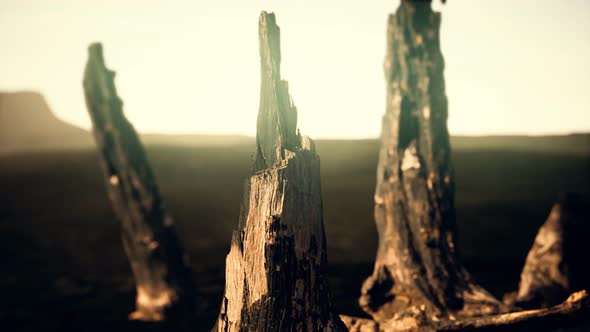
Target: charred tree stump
{"x": 158, "y": 261}
{"x": 276, "y": 268}
{"x": 556, "y": 265}
{"x": 417, "y": 272}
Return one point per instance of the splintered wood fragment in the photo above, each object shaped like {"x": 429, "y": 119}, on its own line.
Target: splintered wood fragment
{"x": 276, "y": 268}
{"x": 417, "y": 272}
{"x": 556, "y": 264}
{"x": 158, "y": 261}
{"x": 358, "y": 324}
{"x": 574, "y": 312}
{"x": 277, "y": 116}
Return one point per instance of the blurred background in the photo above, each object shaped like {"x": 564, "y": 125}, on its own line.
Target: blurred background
{"x": 188, "y": 72}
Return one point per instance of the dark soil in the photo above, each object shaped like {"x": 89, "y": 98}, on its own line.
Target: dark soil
{"x": 62, "y": 266}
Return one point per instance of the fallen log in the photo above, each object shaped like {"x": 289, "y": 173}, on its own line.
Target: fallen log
{"x": 158, "y": 261}
{"x": 572, "y": 313}
{"x": 417, "y": 270}
{"x": 276, "y": 268}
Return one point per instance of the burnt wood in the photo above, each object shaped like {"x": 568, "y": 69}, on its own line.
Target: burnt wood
{"x": 158, "y": 260}
{"x": 557, "y": 264}
{"x": 417, "y": 271}
{"x": 276, "y": 268}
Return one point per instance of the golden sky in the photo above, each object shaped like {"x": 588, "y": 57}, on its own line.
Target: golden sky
{"x": 512, "y": 67}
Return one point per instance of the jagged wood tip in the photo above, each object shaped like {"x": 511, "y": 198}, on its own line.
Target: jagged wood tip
{"x": 276, "y": 131}
{"x": 98, "y": 79}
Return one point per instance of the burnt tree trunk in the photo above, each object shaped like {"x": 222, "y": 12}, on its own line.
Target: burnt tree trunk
{"x": 417, "y": 271}
{"x": 556, "y": 265}
{"x": 158, "y": 261}
{"x": 276, "y": 268}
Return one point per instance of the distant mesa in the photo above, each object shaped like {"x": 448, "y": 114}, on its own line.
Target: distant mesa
{"x": 27, "y": 124}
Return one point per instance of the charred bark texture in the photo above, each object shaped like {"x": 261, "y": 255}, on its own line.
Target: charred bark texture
{"x": 417, "y": 272}
{"x": 158, "y": 261}
{"x": 556, "y": 264}
{"x": 276, "y": 268}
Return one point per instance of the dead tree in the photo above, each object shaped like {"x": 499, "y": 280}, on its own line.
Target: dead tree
{"x": 158, "y": 261}
{"x": 417, "y": 271}
{"x": 555, "y": 266}
{"x": 418, "y": 283}
{"x": 276, "y": 268}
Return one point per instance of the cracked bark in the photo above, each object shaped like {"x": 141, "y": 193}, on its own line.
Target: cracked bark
{"x": 418, "y": 283}
{"x": 417, "y": 271}
{"x": 276, "y": 268}
{"x": 158, "y": 261}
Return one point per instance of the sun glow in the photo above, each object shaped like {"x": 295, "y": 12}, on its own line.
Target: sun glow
{"x": 193, "y": 67}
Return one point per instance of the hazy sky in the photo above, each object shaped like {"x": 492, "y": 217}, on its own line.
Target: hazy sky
{"x": 512, "y": 67}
